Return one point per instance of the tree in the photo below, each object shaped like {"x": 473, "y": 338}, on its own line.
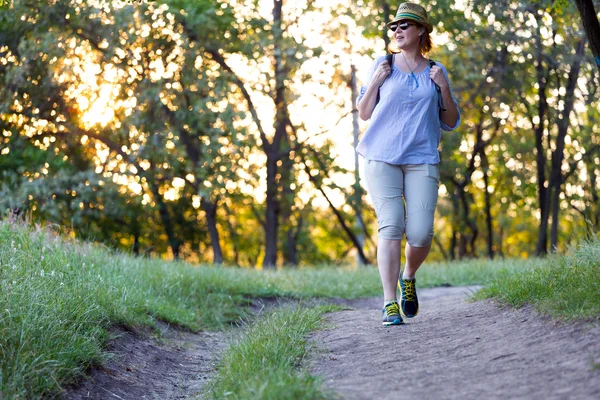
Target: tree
{"x": 589, "y": 19}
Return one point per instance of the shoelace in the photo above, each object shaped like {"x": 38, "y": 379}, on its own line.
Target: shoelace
{"x": 392, "y": 309}
{"x": 409, "y": 290}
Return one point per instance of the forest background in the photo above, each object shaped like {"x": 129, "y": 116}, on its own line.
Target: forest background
{"x": 223, "y": 131}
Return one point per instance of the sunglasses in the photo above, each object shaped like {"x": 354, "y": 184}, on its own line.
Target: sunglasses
{"x": 403, "y": 25}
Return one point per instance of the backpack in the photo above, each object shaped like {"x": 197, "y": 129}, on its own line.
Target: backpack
{"x": 390, "y": 59}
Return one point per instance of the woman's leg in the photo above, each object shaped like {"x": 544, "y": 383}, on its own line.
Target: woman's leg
{"x": 414, "y": 258}
{"x": 388, "y": 261}
{"x": 385, "y": 184}
{"x": 420, "y": 194}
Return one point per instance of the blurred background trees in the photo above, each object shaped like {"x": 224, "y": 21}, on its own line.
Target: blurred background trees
{"x": 222, "y": 131}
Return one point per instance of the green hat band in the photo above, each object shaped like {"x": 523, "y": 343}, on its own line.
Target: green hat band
{"x": 409, "y": 15}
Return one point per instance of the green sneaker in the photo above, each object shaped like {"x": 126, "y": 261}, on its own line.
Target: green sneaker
{"x": 409, "y": 301}
{"x": 391, "y": 314}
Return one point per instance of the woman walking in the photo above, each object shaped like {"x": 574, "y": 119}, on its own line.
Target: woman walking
{"x": 408, "y": 103}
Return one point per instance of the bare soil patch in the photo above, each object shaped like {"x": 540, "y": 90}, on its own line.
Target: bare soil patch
{"x": 174, "y": 367}
{"x": 456, "y": 349}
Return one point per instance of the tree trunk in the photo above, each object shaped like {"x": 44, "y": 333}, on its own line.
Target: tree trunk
{"x": 452, "y": 246}
{"x": 440, "y": 247}
{"x": 591, "y": 26}
{"x": 358, "y": 192}
{"x": 595, "y": 209}
{"x": 291, "y": 243}
{"x": 501, "y": 242}
{"x": 273, "y": 151}
{"x": 210, "y": 209}
{"x": 271, "y": 215}
{"x": 233, "y": 236}
{"x": 455, "y": 228}
{"x": 556, "y": 177}
{"x": 165, "y": 218}
{"x": 488, "y": 211}
{"x": 136, "y": 243}
{"x": 465, "y": 239}
{"x": 542, "y": 78}
{"x": 286, "y": 203}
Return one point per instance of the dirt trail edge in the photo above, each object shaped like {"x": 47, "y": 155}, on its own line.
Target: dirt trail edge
{"x": 456, "y": 349}
{"x": 175, "y": 367}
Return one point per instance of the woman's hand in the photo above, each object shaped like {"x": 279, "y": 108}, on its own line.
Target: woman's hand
{"x": 437, "y": 76}
{"x": 381, "y": 73}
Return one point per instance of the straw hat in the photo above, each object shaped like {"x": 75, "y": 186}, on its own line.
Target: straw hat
{"x": 413, "y": 12}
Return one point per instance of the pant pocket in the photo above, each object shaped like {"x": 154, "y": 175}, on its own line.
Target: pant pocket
{"x": 433, "y": 171}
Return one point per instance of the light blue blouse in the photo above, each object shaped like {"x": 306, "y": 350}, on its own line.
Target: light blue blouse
{"x": 405, "y": 124}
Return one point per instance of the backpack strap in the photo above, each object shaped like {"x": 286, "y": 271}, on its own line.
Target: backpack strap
{"x": 390, "y": 60}
{"x": 438, "y": 90}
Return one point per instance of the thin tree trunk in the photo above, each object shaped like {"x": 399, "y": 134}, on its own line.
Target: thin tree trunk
{"x": 595, "y": 209}
{"x": 358, "y": 192}
{"x": 501, "y": 242}
{"x": 591, "y": 26}
{"x": 271, "y": 215}
{"x": 210, "y": 209}
{"x": 136, "y": 243}
{"x": 339, "y": 216}
{"x": 465, "y": 239}
{"x": 452, "y": 249}
{"x": 542, "y": 244}
{"x": 232, "y": 234}
{"x": 440, "y": 247}
{"x": 166, "y": 219}
{"x": 291, "y": 242}
{"x": 488, "y": 211}
{"x": 558, "y": 156}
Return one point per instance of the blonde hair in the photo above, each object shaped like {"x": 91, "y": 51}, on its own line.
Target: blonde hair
{"x": 426, "y": 43}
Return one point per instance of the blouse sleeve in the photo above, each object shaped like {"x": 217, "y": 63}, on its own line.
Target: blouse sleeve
{"x": 442, "y": 124}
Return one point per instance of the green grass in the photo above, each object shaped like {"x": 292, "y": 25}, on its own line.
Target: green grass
{"x": 59, "y": 298}
{"x": 565, "y": 287}
{"x": 265, "y": 362}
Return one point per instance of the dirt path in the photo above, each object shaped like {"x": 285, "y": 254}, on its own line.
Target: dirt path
{"x": 457, "y": 350}
{"x": 175, "y": 367}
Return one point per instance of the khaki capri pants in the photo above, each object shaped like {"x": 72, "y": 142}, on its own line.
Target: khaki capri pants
{"x": 405, "y": 197}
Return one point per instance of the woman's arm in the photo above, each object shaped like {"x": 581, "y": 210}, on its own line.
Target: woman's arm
{"x": 450, "y": 116}
{"x": 367, "y": 103}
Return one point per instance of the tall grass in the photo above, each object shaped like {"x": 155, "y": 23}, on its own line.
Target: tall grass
{"x": 563, "y": 286}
